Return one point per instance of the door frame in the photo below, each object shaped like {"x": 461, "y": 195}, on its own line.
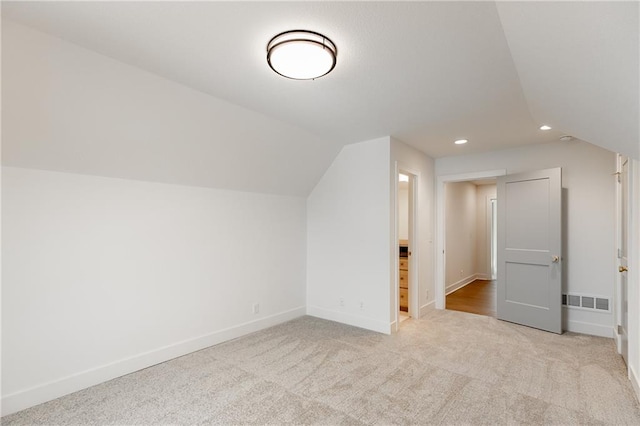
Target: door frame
{"x": 633, "y": 278}
{"x": 491, "y": 230}
{"x": 440, "y": 297}
{"x": 619, "y": 236}
{"x": 414, "y": 270}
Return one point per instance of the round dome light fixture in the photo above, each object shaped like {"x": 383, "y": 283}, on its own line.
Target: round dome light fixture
{"x": 301, "y": 54}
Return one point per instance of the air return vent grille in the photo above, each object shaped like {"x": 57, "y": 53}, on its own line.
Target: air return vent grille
{"x": 602, "y": 304}
{"x": 586, "y": 301}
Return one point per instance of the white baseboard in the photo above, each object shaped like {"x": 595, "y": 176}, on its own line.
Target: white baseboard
{"x": 55, "y": 389}
{"x": 459, "y": 284}
{"x": 424, "y": 309}
{"x": 635, "y": 383}
{"x": 589, "y": 328}
{"x": 350, "y": 319}
{"x": 617, "y": 339}
{"x": 485, "y": 277}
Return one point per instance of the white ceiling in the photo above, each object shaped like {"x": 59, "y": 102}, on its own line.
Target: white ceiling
{"x": 578, "y": 64}
{"x": 426, "y": 73}
{"x": 479, "y": 182}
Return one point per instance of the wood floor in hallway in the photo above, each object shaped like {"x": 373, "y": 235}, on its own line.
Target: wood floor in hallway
{"x": 478, "y": 297}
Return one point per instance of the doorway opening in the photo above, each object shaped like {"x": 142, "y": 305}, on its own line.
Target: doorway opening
{"x": 403, "y": 246}
{"x": 470, "y": 246}
{"x": 406, "y": 242}
{"x": 529, "y": 282}
{"x": 456, "y": 262}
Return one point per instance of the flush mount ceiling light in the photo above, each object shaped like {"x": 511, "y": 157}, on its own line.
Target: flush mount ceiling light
{"x": 301, "y": 55}
{"x": 545, "y": 127}
{"x": 461, "y": 141}
{"x": 403, "y": 178}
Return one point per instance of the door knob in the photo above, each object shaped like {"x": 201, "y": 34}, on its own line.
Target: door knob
{"x": 622, "y": 269}
{"x": 555, "y": 259}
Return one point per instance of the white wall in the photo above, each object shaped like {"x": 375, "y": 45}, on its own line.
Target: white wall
{"x": 410, "y": 159}
{"x": 484, "y": 193}
{"x": 348, "y": 238}
{"x": 105, "y": 276}
{"x": 460, "y": 234}
{"x": 589, "y": 209}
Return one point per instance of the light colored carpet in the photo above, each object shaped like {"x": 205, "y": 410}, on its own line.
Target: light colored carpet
{"x": 448, "y": 368}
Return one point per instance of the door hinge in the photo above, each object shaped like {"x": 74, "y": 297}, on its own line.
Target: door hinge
{"x": 619, "y": 253}
{"x": 617, "y": 175}
{"x": 619, "y": 330}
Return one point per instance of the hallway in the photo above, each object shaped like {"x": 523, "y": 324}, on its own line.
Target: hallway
{"x": 478, "y": 297}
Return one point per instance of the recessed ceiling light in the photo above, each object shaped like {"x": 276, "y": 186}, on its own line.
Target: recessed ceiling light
{"x": 545, "y": 127}
{"x": 301, "y": 54}
{"x": 461, "y": 141}
{"x": 403, "y": 178}
{"x": 566, "y": 138}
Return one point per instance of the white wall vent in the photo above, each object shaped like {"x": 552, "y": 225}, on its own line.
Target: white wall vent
{"x": 586, "y": 301}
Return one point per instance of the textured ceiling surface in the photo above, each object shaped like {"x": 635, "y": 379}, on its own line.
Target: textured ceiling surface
{"x": 426, "y": 73}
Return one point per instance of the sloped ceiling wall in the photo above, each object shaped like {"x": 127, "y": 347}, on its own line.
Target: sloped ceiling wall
{"x": 426, "y": 73}
{"x": 69, "y": 109}
{"x": 578, "y": 67}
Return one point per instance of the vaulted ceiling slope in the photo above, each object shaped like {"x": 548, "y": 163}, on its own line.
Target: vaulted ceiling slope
{"x": 426, "y": 73}
{"x": 578, "y": 64}
{"x": 65, "y": 108}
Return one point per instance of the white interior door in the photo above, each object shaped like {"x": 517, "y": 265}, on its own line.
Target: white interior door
{"x": 622, "y": 257}
{"x": 530, "y": 249}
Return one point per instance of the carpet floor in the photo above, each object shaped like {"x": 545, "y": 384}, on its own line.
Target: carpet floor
{"x": 448, "y": 368}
